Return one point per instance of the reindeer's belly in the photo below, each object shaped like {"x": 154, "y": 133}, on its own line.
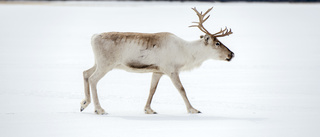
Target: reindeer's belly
{"x": 139, "y": 67}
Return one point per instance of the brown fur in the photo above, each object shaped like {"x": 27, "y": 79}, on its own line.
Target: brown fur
{"x": 148, "y": 40}
{"x": 136, "y": 65}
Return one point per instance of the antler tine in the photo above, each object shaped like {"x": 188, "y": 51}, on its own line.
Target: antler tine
{"x": 206, "y": 18}
{"x": 224, "y": 32}
{"x": 207, "y": 11}
{"x": 221, "y": 31}
{"x": 201, "y": 20}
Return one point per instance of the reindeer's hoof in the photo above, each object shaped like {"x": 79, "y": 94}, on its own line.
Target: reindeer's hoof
{"x": 100, "y": 111}
{"x": 193, "y": 111}
{"x": 149, "y": 111}
{"x": 83, "y": 104}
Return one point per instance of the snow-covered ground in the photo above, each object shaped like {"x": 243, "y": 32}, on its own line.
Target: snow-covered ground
{"x": 270, "y": 89}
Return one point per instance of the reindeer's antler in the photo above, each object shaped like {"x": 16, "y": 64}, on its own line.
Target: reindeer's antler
{"x": 224, "y": 32}
{"x": 201, "y": 16}
{"x": 201, "y": 20}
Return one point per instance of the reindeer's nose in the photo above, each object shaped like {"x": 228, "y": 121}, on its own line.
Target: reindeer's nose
{"x": 230, "y": 56}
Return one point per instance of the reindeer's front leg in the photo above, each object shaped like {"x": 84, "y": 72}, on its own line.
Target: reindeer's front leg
{"x": 177, "y": 83}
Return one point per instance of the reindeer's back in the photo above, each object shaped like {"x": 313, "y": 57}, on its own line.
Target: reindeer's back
{"x": 146, "y": 40}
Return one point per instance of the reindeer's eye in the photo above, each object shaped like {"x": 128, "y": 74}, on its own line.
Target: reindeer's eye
{"x": 217, "y": 43}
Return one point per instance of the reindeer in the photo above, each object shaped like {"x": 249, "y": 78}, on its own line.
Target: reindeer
{"x": 160, "y": 53}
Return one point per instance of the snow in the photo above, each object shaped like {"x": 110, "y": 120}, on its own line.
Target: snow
{"x": 270, "y": 89}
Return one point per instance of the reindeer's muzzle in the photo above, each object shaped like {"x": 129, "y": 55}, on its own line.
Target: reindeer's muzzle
{"x": 230, "y": 56}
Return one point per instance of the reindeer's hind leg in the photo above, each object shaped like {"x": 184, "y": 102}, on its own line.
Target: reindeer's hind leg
{"x": 93, "y": 81}
{"x": 87, "y": 100}
{"x": 154, "y": 83}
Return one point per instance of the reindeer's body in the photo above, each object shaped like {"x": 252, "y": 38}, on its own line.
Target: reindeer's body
{"x": 144, "y": 52}
{"x": 160, "y": 53}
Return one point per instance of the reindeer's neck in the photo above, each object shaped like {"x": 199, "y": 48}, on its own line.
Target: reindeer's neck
{"x": 196, "y": 54}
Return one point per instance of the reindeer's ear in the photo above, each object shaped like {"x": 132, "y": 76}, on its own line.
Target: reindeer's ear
{"x": 201, "y": 36}
{"x": 206, "y": 39}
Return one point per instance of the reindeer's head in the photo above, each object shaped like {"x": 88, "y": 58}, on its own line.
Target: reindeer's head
{"x": 222, "y": 52}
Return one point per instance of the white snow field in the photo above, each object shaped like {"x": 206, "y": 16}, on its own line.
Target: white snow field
{"x": 270, "y": 89}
